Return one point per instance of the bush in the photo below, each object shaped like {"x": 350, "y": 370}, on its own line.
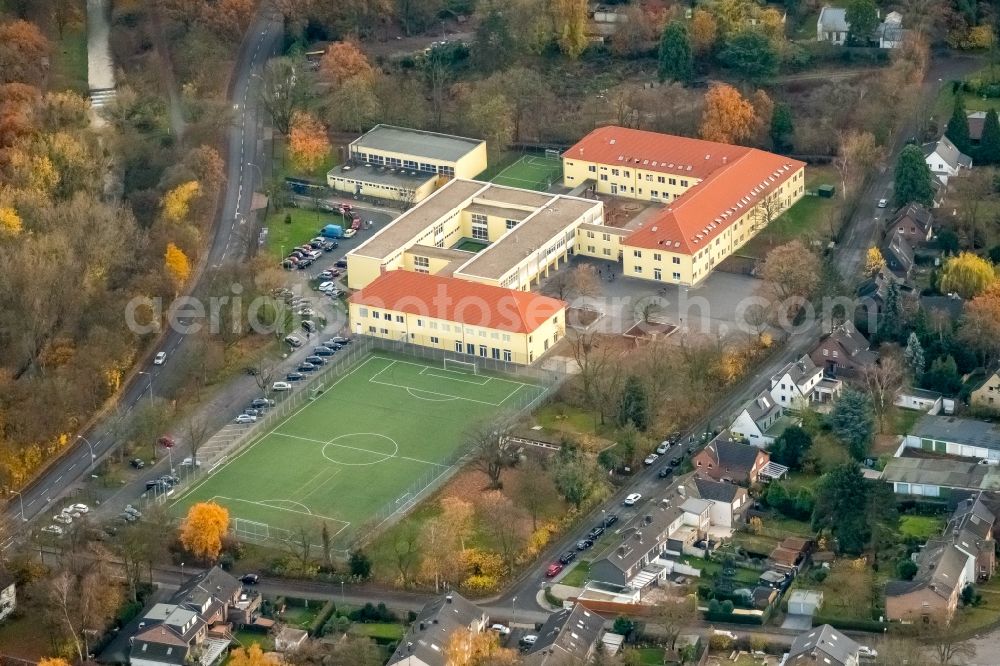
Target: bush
{"x": 624, "y": 626}
{"x": 871, "y": 626}
{"x": 820, "y": 575}
{"x": 714, "y": 607}
{"x": 720, "y": 643}
{"x": 360, "y": 564}
{"x": 370, "y": 613}
{"x": 906, "y": 569}
{"x": 727, "y": 607}
{"x": 318, "y": 626}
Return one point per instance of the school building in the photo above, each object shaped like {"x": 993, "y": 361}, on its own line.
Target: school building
{"x": 526, "y": 235}
{"x": 716, "y": 198}
{"x": 404, "y": 164}
{"x": 458, "y": 315}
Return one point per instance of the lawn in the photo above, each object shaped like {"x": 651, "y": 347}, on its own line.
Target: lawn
{"x": 378, "y": 435}
{"x": 69, "y": 61}
{"x": 921, "y": 527}
{"x": 381, "y": 631}
{"x": 847, "y": 590}
{"x": 711, "y": 570}
{"x": 531, "y": 172}
{"x": 578, "y": 575}
{"x": 25, "y": 637}
{"x": 808, "y": 219}
{"x": 651, "y": 656}
{"x": 557, "y": 417}
{"x": 247, "y": 638}
{"x": 945, "y": 102}
{"x": 281, "y": 237}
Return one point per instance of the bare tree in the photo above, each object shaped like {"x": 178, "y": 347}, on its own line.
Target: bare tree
{"x": 263, "y": 374}
{"x": 406, "y": 550}
{"x": 673, "y": 614}
{"x": 945, "y": 643}
{"x": 569, "y": 284}
{"x": 197, "y": 433}
{"x": 882, "y": 381}
{"x": 498, "y": 514}
{"x": 857, "y": 154}
{"x": 492, "y": 448}
{"x": 596, "y": 357}
{"x": 285, "y": 86}
{"x": 767, "y": 209}
{"x": 534, "y": 490}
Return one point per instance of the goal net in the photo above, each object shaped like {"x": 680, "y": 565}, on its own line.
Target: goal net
{"x": 463, "y": 367}
{"x": 317, "y": 391}
{"x": 250, "y": 530}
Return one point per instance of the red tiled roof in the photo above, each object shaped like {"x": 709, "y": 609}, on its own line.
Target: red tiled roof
{"x": 652, "y": 151}
{"x": 462, "y": 301}
{"x": 735, "y": 178}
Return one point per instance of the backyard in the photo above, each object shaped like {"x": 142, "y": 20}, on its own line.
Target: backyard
{"x": 850, "y": 589}
{"x": 810, "y": 218}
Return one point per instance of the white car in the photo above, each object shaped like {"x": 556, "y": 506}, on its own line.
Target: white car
{"x": 293, "y": 341}
{"x": 71, "y": 512}
{"x": 306, "y": 312}
{"x": 53, "y": 529}
{"x": 662, "y": 448}
{"x": 281, "y": 386}
{"x": 80, "y": 508}
{"x": 187, "y": 462}
{"x": 63, "y": 518}
{"x": 246, "y": 418}
{"x": 882, "y": 203}
{"x": 865, "y": 651}
{"x": 160, "y": 358}
{"x": 632, "y": 499}
{"x": 349, "y": 233}
{"x": 650, "y": 459}
{"x": 327, "y": 286}
{"x": 530, "y": 639}
{"x": 501, "y": 629}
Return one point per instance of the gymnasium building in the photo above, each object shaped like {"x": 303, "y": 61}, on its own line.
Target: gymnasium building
{"x": 404, "y": 164}
{"x": 715, "y": 198}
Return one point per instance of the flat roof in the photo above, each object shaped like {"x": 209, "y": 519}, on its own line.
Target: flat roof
{"x": 603, "y": 229}
{"x": 449, "y": 254}
{"x": 513, "y": 196}
{"x": 536, "y": 230}
{"x": 416, "y": 142}
{"x": 394, "y": 236}
{"x": 942, "y": 472}
{"x": 970, "y": 432}
{"x": 382, "y": 175}
{"x": 499, "y": 211}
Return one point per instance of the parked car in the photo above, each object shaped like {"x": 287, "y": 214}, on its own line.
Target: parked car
{"x": 306, "y": 312}
{"x": 528, "y": 640}
{"x": 166, "y": 441}
{"x": 632, "y": 499}
{"x": 246, "y": 418}
{"x": 610, "y": 519}
{"x": 63, "y": 518}
{"x": 315, "y": 360}
{"x": 156, "y": 484}
{"x": 323, "y": 351}
{"x": 326, "y": 286}
{"x": 584, "y": 544}
{"x": 160, "y": 358}
{"x": 665, "y": 472}
{"x": 596, "y": 532}
{"x": 137, "y": 463}
{"x": 306, "y": 367}
{"x": 882, "y": 203}
{"x": 340, "y": 263}
{"x": 330, "y": 246}
{"x": 53, "y": 529}
{"x": 81, "y": 508}
{"x": 250, "y": 579}
{"x": 69, "y": 511}
{"x": 308, "y": 326}
{"x": 650, "y": 459}
{"x": 253, "y": 411}
{"x": 676, "y": 461}
{"x": 262, "y": 403}
{"x": 281, "y": 386}
{"x": 865, "y": 651}
{"x": 501, "y": 629}
{"x": 339, "y": 340}
{"x": 292, "y": 377}
{"x": 662, "y": 448}
{"x": 553, "y": 569}
{"x": 333, "y": 344}
{"x": 189, "y": 461}
{"x": 293, "y": 341}
{"x": 568, "y": 556}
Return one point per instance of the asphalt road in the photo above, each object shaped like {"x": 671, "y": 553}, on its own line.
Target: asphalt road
{"x": 230, "y": 242}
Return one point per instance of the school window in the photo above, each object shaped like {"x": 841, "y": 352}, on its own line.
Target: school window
{"x": 428, "y": 167}
{"x": 627, "y": 174}
{"x": 421, "y": 264}
{"x": 615, "y": 172}
{"x": 657, "y": 275}
{"x": 592, "y": 168}
{"x": 363, "y": 312}
{"x": 661, "y": 179}
{"x": 657, "y": 256}
{"x": 607, "y": 252}
{"x": 640, "y": 190}
{"x": 649, "y": 177}
{"x": 654, "y": 193}
{"x": 387, "y": 316}
{"x": 435, "y": 340}
{"x": 506, "y": 355}
{"x": 420, "y": 323}
{"x": 480, "y": 233}
{"x": 409, "y": 164}
{"x": 677, "y": 260}
{"x": 684, "y": 183}
{"x": 677, "y": 276}
{"x": 604, "y": 176}
{"x": 376, "y": 314}
{"x": 496, "y": 353}
{"x": 458, "y": 346}
{"x": 482, "y": 350}
{"x": 637, "y": 253}
{"x": 606, "y": 237}
{"x": 638, "y": 269}
{"x": 399, "y": 319}
{"x": 673, "y": 181}
{"x": 511, "y": 224}
{"x": 384, "y": 331}
{"x": 506, "y": 337}
{"x": 371, "y": 329}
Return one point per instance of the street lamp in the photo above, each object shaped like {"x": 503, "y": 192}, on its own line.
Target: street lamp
{"x": 20, "y": 499}
{"x": 513, "y": 614}
{"x": 93, "y": 456}
{"x": 259, "y": 172}
{"x": 141, "y": 372}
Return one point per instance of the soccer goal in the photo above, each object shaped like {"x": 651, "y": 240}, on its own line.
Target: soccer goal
{"x": 463, "y": 367}
{"x": 317, "y": 391}
{"x": 552, "y": 154}
{"x": 251, "y": 530}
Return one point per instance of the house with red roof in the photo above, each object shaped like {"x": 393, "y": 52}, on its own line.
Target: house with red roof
{"x": 458, "y": 315}
{"x": 715, "y": 197}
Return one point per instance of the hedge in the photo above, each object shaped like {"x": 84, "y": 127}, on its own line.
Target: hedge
{"x": 734, "y": 619}
{"x": 316, "y": 628}
{"x": 851, "y": 624}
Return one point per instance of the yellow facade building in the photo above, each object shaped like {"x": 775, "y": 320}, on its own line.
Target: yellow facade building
{"x": 458, "y": 316}
{"x": 404, "y": 164}
{"x": 715, "y": 198}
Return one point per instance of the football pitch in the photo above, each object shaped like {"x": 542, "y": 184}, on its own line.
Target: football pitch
{"x": 531, "y": 172}
{"x": 365, "y": 446}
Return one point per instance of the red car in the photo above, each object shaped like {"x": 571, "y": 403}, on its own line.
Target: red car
{"x": 553, "y": 569}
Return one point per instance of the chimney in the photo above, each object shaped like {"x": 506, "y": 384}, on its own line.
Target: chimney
{"x": 448, "y": 599}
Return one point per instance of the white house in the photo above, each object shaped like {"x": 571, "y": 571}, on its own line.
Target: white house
{"x": 920, "y": 400}
{"x": 945, "y": 159}
{"x": 832, "y": 25}
{"x": 758, "y": 417}
{"x": 802, "y": 382}
{"x": 727, "y": 501}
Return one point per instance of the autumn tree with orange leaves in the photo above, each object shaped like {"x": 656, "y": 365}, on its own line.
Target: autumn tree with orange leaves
{"x": 10, "y": 222}
{"x": 253, "y": 656}
{"x": 23, "y": 49}
{"x": 343, "y": 61}
{"x": 728, "y": 116}
{"x": 204, "y": 528}
{"x": 53, "y": 661}
{"x": 308, "y": 144}
{"x": 178, "y": 265}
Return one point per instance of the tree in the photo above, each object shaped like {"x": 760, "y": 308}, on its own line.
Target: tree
{"x": 853, "y": 422}
{"x": 676, "y": 58}
{"x": 857, "y": 155}
{"x": 203, "y": 529}
{"x": 492, "y": 118}
{"x": 286, "y": 87}
{"x": 492, "y": 449}
{"x": 53, "y": 661}
{"x": 177, "y": 264}
{"x": 574, "y": 477}
{"x": 912, "y": 178}
{"x": 943, "y": 376}
{"x": 791, "y": 446}
{"x": 989, "y": 144}
{"x": 728, "y": 117}
{"x": 23, "y": 52}
{"x": 634, "y": 405}
{"x": 343, "y": 61}
{"x": 500, "y": 518}
{"x": 673, "y": 615}
{"x": 308, "y": 144}
{"x": 906, "y": 569}
{"x": 472, "y": 648}
{"x": 196, "y": 433}
{"x": 862, "y": 19}
{"x": 10, "y": 222}
{"x": 958, "y": 126}
{"x": 360, "y": 564}
{"x": 791, "y": 270}
{"x": 967, "y": 275}
{"x": 81, "y": 602}
{"x": 406, "y": 551}
{"x": 493, "y": 42}
{"x": 946, "y": 643}
{"x": 64, "y": 13}
{"x": 890, "y": 321}
{"x": 533, "y": 491}
{"x": 874, "y": 261}
{"x": 841, "y": 503}
{"x": 883, "y": 379}
{"x": 633, "y": 34}
{"x": 704, "y": 30}
{"x": 570, "y": 20}
{"x": 749, "y": 55}
{"x": 914, "y": 355}
{"x": 356, "y": 105}
{"x": 782, "y": 130}
{"x": 177, "y": 202}
{"x": 980, "y": 327}
{"x": 253, "y": 656}
{"x": 572, "y": 283}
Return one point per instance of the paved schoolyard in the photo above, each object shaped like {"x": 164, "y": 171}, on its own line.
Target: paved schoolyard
{"x": 711, "y": 308}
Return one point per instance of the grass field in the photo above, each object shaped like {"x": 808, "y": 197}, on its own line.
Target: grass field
{"x": 385, "y": 427}
{"x": 531, "y": 172}
{"x": 69, "y": 60}
{"x": 921, "y": 527}
{"x": 305, "y": 225}
{"x": 469, "y": 245}
{"x": 807, "y": 219}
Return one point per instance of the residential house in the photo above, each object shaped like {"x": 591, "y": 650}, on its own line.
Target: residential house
{"x": 943, "y": 570}
{"x": 802, "y": 382}
{"x": 898, "y": 255}
{"x": 727, "y": 501}
{"x": 986, "y": 391}
{"x": 914, "y": 223}
{"x": 843, "y": 352}
{"x": 791, "y": 552}
{"x": 920, "y": 400}
{"x": 195, "y": 624}
{"x": 426, "y": 642}
{"x": 832, "y": 25}
{"x": 569, "y": 636}
{"x": 760, "y": 422}
{"x": 971, "y": 528}
{"x": 945, "y": 159}
{"x": 729, "y": 460}
{"x": 822, "y": 645}
{"x": 635, "y": 561}
{"x": 956, "y": 436}
{"x": 8, "y": 594}
{"x": 290, "y": 639}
